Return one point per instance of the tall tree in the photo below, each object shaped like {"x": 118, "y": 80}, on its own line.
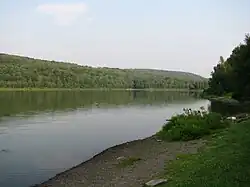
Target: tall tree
{"x": 233, "y": 75}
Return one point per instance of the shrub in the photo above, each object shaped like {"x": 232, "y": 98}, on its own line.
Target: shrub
{"x": 192, "y": 124}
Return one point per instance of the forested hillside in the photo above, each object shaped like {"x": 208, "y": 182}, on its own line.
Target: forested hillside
{"x": 24, "y": 72}
{"x": 172, "y": 74}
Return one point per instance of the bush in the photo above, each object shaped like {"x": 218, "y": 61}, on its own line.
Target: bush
{"x": 192, "y": 124}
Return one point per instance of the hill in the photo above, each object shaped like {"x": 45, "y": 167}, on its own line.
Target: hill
{"x": 172, "y": 74}
{"x": 25, "y": 72}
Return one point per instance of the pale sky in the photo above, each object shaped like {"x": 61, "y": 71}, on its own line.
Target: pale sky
{"x": 186, "y": 35}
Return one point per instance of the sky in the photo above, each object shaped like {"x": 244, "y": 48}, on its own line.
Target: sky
{"x": 159, "y": 34}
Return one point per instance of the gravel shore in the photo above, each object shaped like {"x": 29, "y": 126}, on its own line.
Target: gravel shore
{"x": 103, "y": 170}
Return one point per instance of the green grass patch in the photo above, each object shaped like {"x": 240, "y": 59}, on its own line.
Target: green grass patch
{"x": 192, "y": 124}
{"x": 128, "y": 162}
{"x": 223, "y": 162}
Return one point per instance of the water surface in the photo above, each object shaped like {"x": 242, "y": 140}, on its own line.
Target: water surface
{"x": 44, "y": 133}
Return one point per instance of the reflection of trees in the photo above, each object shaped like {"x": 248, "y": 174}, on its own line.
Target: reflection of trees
{"x": 229, "y": 108}
{"x": 16, "y": 102}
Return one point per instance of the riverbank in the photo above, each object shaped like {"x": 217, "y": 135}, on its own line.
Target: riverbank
{"x": 130, "y": 164}
{"x": 221, "y": 159}
{"x": 224, "y": 100}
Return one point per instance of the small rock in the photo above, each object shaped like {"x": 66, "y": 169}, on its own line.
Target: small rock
{"x": 121, "y": 158}
{"x": 158, "y": 140}
{"x": 156, "y": 182}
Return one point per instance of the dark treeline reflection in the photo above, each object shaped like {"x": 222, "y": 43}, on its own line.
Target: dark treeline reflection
{"x": 12, "y": 103}
{"x": 229, "y": 109}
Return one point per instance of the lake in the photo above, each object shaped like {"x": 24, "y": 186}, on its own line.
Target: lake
{"x": 44, "y": 133}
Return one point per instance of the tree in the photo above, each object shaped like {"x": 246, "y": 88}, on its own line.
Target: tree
{"x": 233, "y": 75}
{"x": 240, "y": 62}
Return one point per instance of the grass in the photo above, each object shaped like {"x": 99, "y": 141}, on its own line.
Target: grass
{"x": 128, "y": 162}
{"x": 224, "y": 162}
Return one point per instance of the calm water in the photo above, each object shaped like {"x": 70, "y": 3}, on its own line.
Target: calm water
{"x": 44, "y": 133}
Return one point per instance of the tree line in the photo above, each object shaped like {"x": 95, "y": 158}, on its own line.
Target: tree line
{"x": 24, "y": 72}
{"x": 232, "y": 76}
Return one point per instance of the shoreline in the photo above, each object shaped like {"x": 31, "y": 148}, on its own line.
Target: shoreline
{"x": 94, "y": 89}
{"x": 93, "y": 157}
{"x": 151, "y": 152}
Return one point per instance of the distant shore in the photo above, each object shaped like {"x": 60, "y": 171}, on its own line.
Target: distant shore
{"x": 96, "y": 89}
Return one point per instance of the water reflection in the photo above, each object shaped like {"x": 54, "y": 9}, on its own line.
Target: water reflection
{"x": 229, "y": 109}
{"x": 29, "y": 102}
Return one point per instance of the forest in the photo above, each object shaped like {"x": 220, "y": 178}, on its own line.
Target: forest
{"x": 25, "y": 72}
{"x": 231, "y": 77}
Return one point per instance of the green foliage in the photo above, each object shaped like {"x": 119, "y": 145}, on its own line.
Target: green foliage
{"x": 223, "y": 162}
{"x": 192, "y": 124}
{"x": 228, "y": 95}
{"x": 23, "y": 72}
{"x": 232, "y": 76}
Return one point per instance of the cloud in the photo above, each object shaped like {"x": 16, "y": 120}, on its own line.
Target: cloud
{"x": 63, "y": 13}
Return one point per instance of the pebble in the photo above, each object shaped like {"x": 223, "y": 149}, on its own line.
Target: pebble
{"x": 121, "y": 158}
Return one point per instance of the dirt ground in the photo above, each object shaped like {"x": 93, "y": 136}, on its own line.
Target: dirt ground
{"x": 104, "y": 169}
